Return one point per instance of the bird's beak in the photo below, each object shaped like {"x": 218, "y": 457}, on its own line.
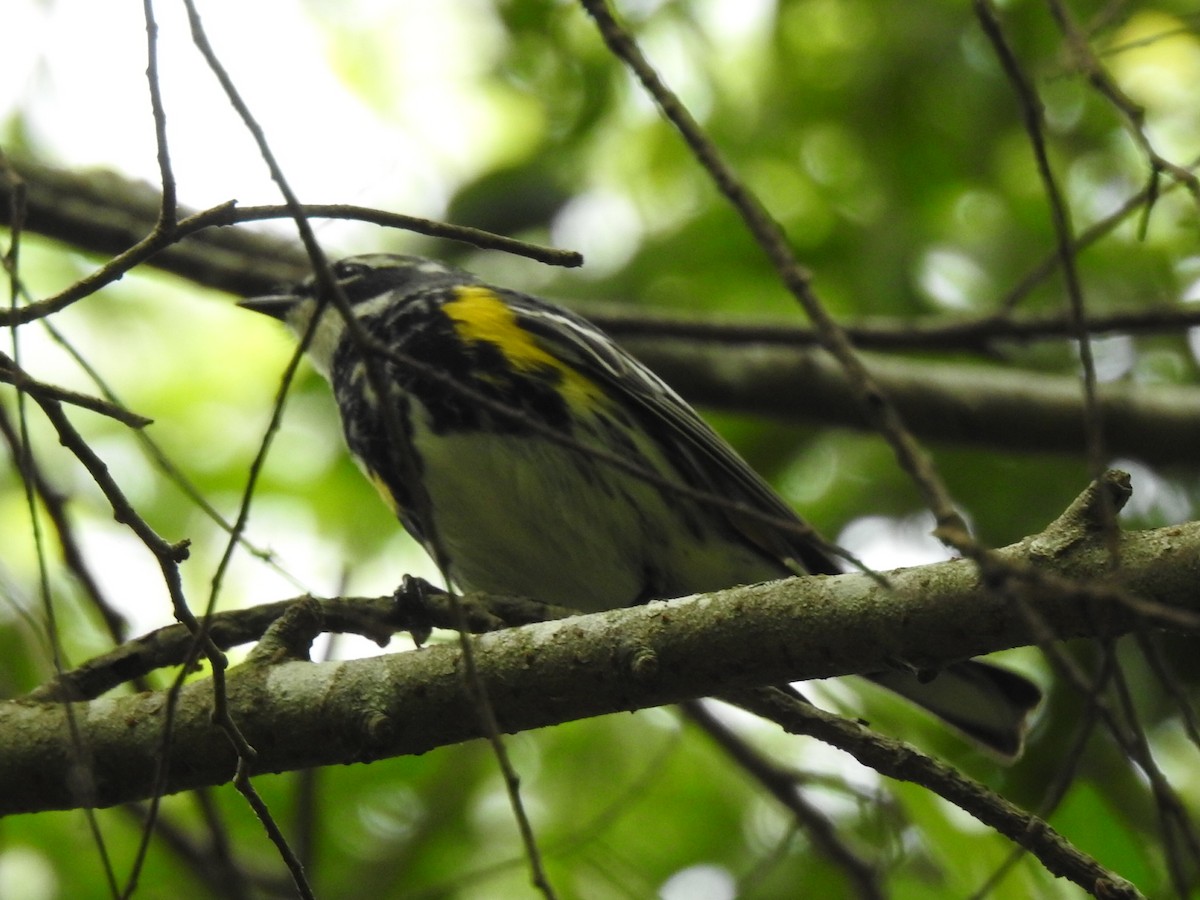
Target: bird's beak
{"x": 276, "y": 306}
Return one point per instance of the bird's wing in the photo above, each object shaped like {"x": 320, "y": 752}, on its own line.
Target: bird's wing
{"x": 704, "y": 458}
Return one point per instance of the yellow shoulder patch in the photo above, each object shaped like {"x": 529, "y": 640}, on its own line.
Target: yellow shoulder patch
{"x": 479, "y": 314}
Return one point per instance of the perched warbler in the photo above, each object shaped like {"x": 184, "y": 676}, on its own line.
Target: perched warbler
{"x": 528, "y": 435}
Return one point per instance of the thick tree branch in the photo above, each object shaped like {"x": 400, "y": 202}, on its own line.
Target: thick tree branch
{"x": 298, "y": 714}
{"x": 1004, "y": 409}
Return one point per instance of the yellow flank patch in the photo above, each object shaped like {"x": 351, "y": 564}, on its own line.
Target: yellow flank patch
{"x": 479, "y": 315}
{"x": 384, "y": 492}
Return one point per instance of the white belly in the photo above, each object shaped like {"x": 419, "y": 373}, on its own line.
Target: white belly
{"x": 520, "y": 515}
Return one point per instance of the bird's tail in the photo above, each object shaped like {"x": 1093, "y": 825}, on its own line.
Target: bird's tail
{"x": 987, "y": 703}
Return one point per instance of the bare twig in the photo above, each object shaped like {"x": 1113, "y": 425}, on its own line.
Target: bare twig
{"x": 902, "y": 762}
{"x": 477, "y": 237}
{"x": 56, "y": 508}
{"x": 11, "y": 373}
{"x": 1031, "y": 113}
{"x": 165, "y": 228}
{"x": 875, "y": 404}
{"x": 784, "y": 788}
{"x": 1134, "y": 116}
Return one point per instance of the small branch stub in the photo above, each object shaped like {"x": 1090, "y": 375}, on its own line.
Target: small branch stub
{"x": 290, "y": 636}
{"x": 643, "y": 665}
{"x": 1091, "y": 513}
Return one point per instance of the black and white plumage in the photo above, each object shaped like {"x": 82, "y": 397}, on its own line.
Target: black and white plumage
{"x": 481, "y": 380}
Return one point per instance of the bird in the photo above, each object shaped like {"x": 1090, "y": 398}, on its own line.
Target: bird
{"x": 532, "y": 456}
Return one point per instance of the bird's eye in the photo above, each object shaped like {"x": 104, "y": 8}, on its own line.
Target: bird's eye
{"x": 348, "y": 271}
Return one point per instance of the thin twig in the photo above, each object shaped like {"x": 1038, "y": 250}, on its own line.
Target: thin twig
{"x": 165, "y": 228}
{"x": 477, "y": 237}
{"x": 784, "y": 788}
{"x": 1030, "y": 105}
{"x": 877, "y": 407}
{"x": 56, "y": 508}
{"x": 1133, "y": 115}
{"x": 160, "y": 458}
{"x": 221, "y": 711}
{"x": 1147, "y": 643}
{"x": 209, "y": 865}
{"x": 1064, "y": 776}
{"x": 11, "y": 373}
{"x": 904, "y": 763}
{"x": 1126, "y": 731}
{"x": 1180, "y": 840}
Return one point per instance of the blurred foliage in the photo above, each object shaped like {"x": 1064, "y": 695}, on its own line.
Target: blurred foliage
{"x": 888, "y": 143}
